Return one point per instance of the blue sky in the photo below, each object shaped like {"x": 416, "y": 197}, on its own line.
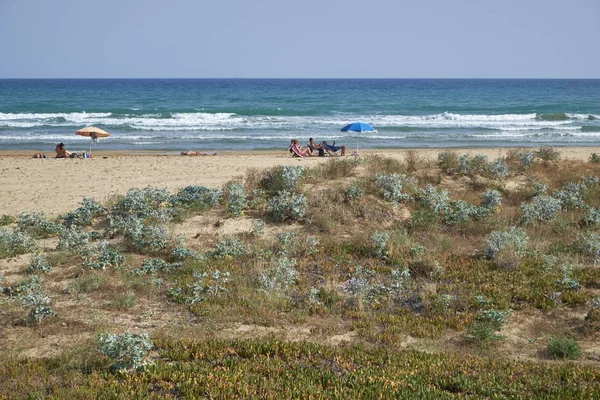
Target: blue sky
{"x": 299, "y": 39}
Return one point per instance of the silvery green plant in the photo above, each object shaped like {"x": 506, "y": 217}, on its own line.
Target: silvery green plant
{"x": 592, "y": 216}
{"x": 491, "y": 199}
{"x": 290, "y": 175}
{"x": 465, "y": 162}
{"x": 148, "y": 203}
{"x": 362, "y": 286}
{"x": 198, "y": 195}
{"x": 547, "y": 153}
{"x": 526, "y": 158}
{"x": 279, "y": 277}
{"x": 182, "y": 253}
{"x": 84, "y": 215}
{"x": 567, "y": 282}
{"x": 153, "y": 239}
{"x": 152, "y": 266}
{"x": 539, "y": 188}
{"x": 286, "y": 242}
{"x": 73, "y": 241}
{"x": 208, "y": 284}
{"x": 480, "y": 164}
{"x": 392, "y": 187}
{"x": 399, "y": 281}
{"x": 15, "y": 242}
{"x": 235, "y": 195}
{"x": 359, "y": 282}
{"x": 313, "y": 298}
{"x": 30, "y": 296}
{"x": 101, "y": 256}
{"x": 38, "y": 263}
{"x": 548, "y": 262}
{"x": 570, "y": 196}
{"x": 542, "y": 208}
{"x": 286, "y": 206}
{"x": 128, "y": 350}
{"x": 258, "y": 227}
{"x": 229, "y": 247}
{"x": 380, "y": 241}
{"x": 588, "y": 244}
{"x": 495, "y": 317}
{"x": 460, "y": 211}
{"x": 353, "y": 193}
{"x": 499, "y": 169}
{"x": 514, "y": 238}
{"x": 36, "y": 225}
{"x": 434, "y": 199}
{"x": 311, "y": 245}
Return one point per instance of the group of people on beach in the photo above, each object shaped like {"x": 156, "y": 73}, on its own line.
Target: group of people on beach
{"x": 313, "y": 149}
{"x": 61, "y": 152}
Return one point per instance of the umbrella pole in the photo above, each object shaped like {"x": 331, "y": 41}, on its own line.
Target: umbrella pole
{"x": 357, "y": 140}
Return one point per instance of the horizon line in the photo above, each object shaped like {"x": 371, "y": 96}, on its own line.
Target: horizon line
{"x": 281, "y": 78}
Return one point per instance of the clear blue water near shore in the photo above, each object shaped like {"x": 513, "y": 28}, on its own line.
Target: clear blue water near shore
{"x": 249, "y": 114}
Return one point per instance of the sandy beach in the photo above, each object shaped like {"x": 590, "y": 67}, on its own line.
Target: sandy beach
{"x": 55, "y": 186}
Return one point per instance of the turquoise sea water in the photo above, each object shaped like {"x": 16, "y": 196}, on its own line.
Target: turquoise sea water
{"x": 244, "y": 114}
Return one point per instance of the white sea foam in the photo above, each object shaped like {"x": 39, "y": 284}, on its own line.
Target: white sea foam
{"x": 214, "y": 122}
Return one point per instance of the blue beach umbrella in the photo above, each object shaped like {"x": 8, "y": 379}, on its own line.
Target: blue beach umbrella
{"x": 358, "y": 128}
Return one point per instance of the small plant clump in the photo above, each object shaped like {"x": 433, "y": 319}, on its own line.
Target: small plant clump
{"x": 84, "y": 215}
{"x": 198, "y": 196}
{"x": 152, "y": 266}
{"x": 286, "y": 206}
{"x": 542, "y": 208}
{"x": 235, "y": 199}
{"x": 30, "y": 296}
{"x": 380, "y": 241}
{"x": 205, "y": 285}
{"x": 279, "y": 278}
{"x": 15, "y": 242}
{"x": 36, "y": 225}
{"x": 514, "y": 239}
{"x": 547, "y": 153}
{"x": 38, "y": 263}
{"x": 588, "y": 244}
{"x": 527, "y": 158}
{"x": 499, "y": 169}
{"x": 258, "y": 227}
{"x": 128, "y": 350}
{"x": 6, "y": 220}
{"x": 290, "y": 175}
{"x": 594, "y": 158}
{"x": 391, "y": 187}
{"x": 353, "y": 193}
{"x": 73, "y": 241}
{"x": 563, "y": 347}
{"x": 229, "y": 247}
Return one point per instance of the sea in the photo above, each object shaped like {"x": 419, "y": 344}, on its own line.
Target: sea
{"x": 254, "y": 114}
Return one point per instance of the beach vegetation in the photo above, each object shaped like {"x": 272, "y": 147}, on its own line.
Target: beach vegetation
{"x": 329, "y": 280}
{"x": 563, "y": 347}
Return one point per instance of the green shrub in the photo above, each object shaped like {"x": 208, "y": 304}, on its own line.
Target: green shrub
{"x": 6, "y": 220}
{"x": 36, "y": 225}
{"x": 129, "y": 350}
{"x": 15, "y": 242}
{"x": 563, "y": 347}
{"x": 286, "y": 206}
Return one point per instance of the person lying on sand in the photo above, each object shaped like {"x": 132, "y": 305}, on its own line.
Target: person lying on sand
{"x": 195, "y": 153}
{"x": 39, "y": 155}
{"x": 297, "y": 150}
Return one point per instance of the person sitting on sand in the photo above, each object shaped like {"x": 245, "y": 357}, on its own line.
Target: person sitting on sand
{"x": 313, "y": 146}
{"x": 297, "y": 150}
{"x": 195, "y": 153}
{"x": 61, "y": 152}
{"x": 331, "y": 149}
